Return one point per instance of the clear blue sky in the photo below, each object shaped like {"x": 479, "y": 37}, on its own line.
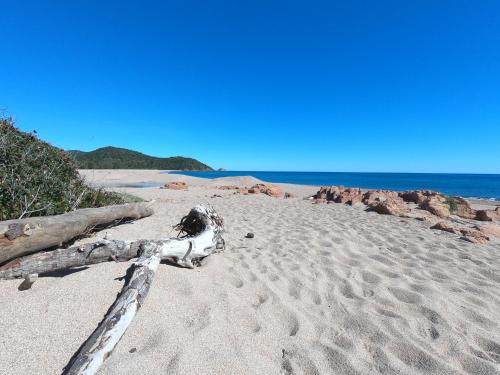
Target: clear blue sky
{"x": 261, "y": 85}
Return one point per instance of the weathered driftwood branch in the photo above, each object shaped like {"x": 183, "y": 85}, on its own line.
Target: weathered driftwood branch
{"x": 201, "y": 230}
{"x": 75, "y": 256}
{"x": 203, "y": 235}
{"x": 103, "y": 340}
{"x": 26, "y": 236}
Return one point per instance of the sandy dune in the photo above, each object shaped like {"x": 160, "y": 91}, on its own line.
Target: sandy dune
{"x": 321, "y": 289}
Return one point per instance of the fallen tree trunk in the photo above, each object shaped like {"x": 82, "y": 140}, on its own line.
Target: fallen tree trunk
{"x": 26, "y": 236}
{"x": 202, "y": 229}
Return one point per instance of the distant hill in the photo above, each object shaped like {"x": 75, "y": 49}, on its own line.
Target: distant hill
{"x": 122, "y": 158}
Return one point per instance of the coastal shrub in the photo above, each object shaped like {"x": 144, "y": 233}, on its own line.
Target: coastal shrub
{"x": 38, "y": 179}
{"x": 453, "y": 203}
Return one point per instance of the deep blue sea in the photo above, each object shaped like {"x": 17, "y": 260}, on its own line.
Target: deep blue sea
{"x": 466, "y": 185}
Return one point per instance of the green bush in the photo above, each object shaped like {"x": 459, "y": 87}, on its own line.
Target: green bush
{"x": 453, "y": 203}
{"x": 38, "y": 179}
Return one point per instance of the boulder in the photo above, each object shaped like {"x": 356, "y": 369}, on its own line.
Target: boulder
{"x": 372, "y": 196}
{"x": 273, "y": 191}
{"x": 436, "y": 205}
{"x": 268, "y": 189}
{"x": 488, "y": 215}
{"x": 417, "y": 196}
{"x": 468, "y": 234}
{"x": 289, "y": 195}
{"x": 349, "y": 196}
{"x": 340, "y": 194}
{"x": 474, "y": 236}
{"x": 390, "y": 206}
{"x": 491, "y": 230}
{"x": 329, "y": 193}
{"x": 176, "y": 185}
{"x": 447, "y": 227}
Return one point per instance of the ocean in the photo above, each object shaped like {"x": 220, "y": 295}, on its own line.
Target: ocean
{"x": 486, "y": 186}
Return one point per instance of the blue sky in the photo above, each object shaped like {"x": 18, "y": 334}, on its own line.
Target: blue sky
{"x": 262, "y": 85}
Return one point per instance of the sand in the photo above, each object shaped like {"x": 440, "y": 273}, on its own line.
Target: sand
{"x": 320, "y": 289}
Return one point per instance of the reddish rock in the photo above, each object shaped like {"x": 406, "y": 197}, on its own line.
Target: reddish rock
{"x": 349, "y": 196}
{"x": 176, "y": 185}
{"x": 468, "y": 234}
{"x": 339, "y": 194}
{"x": 488, "y": 215}
{"x": 329, "y": 193}
{"x": 417, "y": 196}
{"x": 271, "y": 190}
{"x": 436, "y": 205}
{"x": 374, "y": 196}
{"x": 389, "y": 206}
{"x": 491, "y": 230}
{"x": 474, "y": 236}
{"x": 447, "y": 227}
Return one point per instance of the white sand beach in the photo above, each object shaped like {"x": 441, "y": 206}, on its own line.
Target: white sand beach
{"x": 320, "y": 289}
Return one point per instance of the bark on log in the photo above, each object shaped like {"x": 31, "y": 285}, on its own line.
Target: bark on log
{"x": 202, "y": 228}
{"x": 26, "y": 236}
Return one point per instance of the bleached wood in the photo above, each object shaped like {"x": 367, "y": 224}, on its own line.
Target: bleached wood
{"x": 103, "y": 340}
{"x": 204, "y": 228}
{"x": 29, "y": 235}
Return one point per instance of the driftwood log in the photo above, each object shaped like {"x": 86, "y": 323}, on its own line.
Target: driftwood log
{"x": 26, "y": 236}
{"x": 200, "y": 234}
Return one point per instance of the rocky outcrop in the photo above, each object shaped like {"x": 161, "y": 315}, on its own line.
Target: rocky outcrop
{"x": 268, "y": 189}
{"x": 490, "y": 230}
{"x": 176, "y": 185}
{"x": 385, "y": 202}
{"x": 417, "y": 196}
{"x": 339, "y": 194}
{"x": 447, "y": 227}
{"x": 272, "y": 191}
{"x": 372, "y": 196}
{"x": 390, "y": 206}
{"x": 488, "y": 215}
{"x": 436, "y": 205}
{"x": 468, "y": 234}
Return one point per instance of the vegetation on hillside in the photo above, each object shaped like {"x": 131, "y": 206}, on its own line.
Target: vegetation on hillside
{"x": 38, "y": 179}
{"x": 121, "y": 158}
